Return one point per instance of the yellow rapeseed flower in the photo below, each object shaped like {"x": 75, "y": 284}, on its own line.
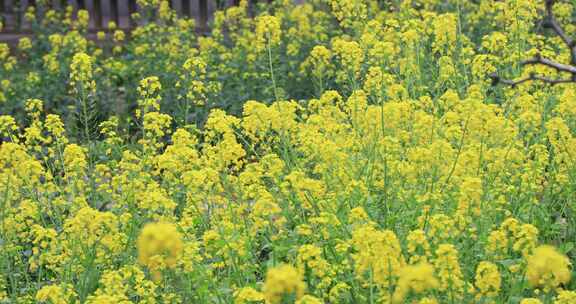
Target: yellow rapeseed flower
{"x": 281, "y": 282}
{"x": 548, "y": 268}
{"x": 414, "y": 278}
{"x": 160, "y": 247}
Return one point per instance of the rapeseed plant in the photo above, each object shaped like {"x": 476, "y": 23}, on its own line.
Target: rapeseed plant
{"x": 326, "y": 152}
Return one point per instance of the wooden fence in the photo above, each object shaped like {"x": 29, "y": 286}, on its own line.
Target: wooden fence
{"x": 102, "y": 11}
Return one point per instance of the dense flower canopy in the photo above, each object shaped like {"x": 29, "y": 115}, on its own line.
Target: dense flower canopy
{"x": 336, "y": 151}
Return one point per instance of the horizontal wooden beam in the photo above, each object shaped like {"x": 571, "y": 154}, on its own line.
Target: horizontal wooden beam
{"x": 187, "y": 8}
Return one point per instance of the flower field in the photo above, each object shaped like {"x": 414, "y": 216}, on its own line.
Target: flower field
{"x": 337, "y": 151}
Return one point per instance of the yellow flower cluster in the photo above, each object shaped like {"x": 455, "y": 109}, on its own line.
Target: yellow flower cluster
{"x": 55, "y": 294}
{"x": 547, "y": 268}
{"x": 149, "y": 90}
{"x": 414, "y": 278}
{"x": 159, "y": 247}
{"x": 283, "y": 282}
{"x": 488, "y": 280}
{"x": 81, "y": 74}
{"x": 268, "y": 32}
{"x": 349, "y": 12}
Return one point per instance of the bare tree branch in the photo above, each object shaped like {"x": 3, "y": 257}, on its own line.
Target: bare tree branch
{"x": 551, "y": 22}
{"x": 532, "y": 77}
{"x": 560, "y": 67}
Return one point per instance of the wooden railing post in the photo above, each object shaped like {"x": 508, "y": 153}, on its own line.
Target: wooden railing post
{"x": 97, "y": 14}
{"x": 17, "y": 10}
{"x": 203, "y": 14}
{"x": 186, "y": 8}
{"x": 2, "y": 11}
{"x": 131, "y": 10}
{"x": 114, "y": 16}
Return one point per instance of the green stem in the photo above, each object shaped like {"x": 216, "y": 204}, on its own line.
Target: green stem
{"x": 85, "y": 113}
{"x": 269, "y": 47}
